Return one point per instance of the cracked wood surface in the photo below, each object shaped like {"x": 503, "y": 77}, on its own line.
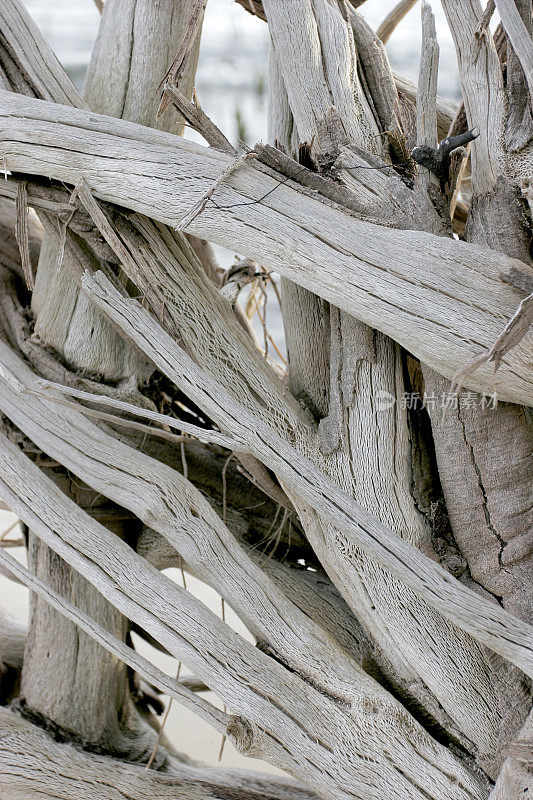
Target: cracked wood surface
{"x": 260, "y": 692}
{"x": 485, "y": 454}
{"x": 418, "y": 651}
{"x": 484, "y": 620}
{"x": 453, "y": 301}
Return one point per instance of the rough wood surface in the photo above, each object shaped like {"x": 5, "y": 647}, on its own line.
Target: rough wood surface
{"x": 484, "y": 453}
{"x": 519, "y": 37}
{"x": 416, "y": 650}
{"x": 33, "y": 67}
{"x": 483, "y": 620}
{"x": 259, "y": 692}
{"x": 35, "y": 767}
{"x": 352, "y": 264}
{"x": 516, "y": 778}
{"x": 111, "y": 643}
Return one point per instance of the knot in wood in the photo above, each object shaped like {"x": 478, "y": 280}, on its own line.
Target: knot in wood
{"x": 242, "y": 734}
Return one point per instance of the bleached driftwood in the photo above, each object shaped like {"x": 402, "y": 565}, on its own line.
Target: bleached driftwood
{"x": 126, "y": 654}
{"x": 416, "y": 647}
{"x": 519, "y": 37}
{"x": 122, "y": 79}
{"x": 327, "y": 232}
{"x": 259, "y": 692}
{"x": 353, "y": 264}
{"x": 471, "y": 612}
{"x": 33, "y": 766}
{"x": 484, "y": 454}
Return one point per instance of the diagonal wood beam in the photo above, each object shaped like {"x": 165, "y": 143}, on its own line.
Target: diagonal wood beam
{"x": 445, "y": 301}
{"x": 484, "y": 620}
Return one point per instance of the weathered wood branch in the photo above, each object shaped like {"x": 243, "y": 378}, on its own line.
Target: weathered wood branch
{"x": 483, "y": 620}
{"x": 352, "y": 264}
{"x": 141, "y": 665}
{"x": 35, "y": 767}
{"x": 426, "y": 99}
{"x": 483, "y": 96}
{"x": 421, "y": 648}
{"x": 248, "y": 681}
{"x": 393, "y": 19}
{"x": 519, "y": 37}
{"x": 31, "y": 67}
{"x": 231, "y": 572}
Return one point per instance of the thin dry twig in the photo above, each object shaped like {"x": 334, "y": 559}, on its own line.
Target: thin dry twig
{"x": 223, "y": 615}
{"x": 12, "y": 543}
{"x": 266, "y": 333}
{"x": 512, "y": 334}
{"x": 177, "y": 68}
{"x": 8, "y": 529}
{"x": 196, "y": 117}
{"x": 167, "y": 712}
{"x": 22, "y": 234}
{"x": 203, "y": 435}
{"x": 199, "y": 206}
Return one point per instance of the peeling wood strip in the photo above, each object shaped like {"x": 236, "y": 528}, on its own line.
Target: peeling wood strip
{"x": 513, "y": 333}
{"x": 22, "y": 235}
{"x": 203, "y": 435}
{"x": 177, "y": 68}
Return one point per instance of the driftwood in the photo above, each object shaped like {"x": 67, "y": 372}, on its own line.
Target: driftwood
{"x": 444, "y": 337}
{"x": 376, "y": 551}
{"x": 30, "y": 762}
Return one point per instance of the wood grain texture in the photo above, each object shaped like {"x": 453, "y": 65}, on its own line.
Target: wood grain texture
{"x": 259, "y": 692}
{"x": 453, "y": 301}
{"x": 417, "y": 650}
{"x": 35, "y": 767}
{"x": 483, "y": 620}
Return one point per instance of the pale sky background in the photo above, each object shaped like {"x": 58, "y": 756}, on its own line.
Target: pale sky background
{"x": 231, "y": 83}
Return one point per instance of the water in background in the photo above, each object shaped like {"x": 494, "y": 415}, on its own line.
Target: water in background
{"x": 231, "y": 83}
